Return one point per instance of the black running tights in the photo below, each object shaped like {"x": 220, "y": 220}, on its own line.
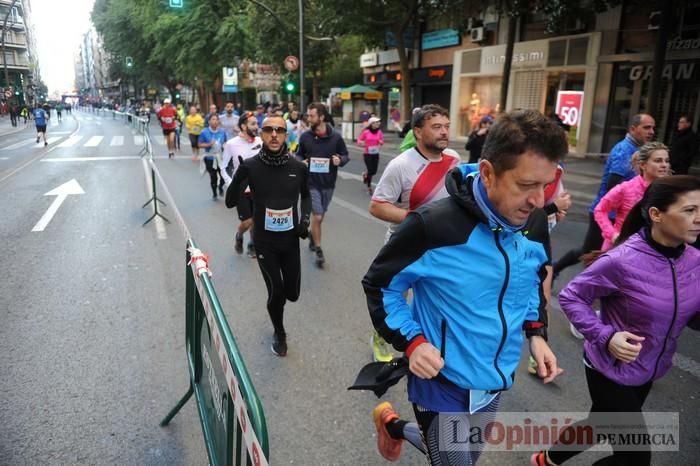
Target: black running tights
{"x": 608, "y": 397}
{"x": 281, "y": 268}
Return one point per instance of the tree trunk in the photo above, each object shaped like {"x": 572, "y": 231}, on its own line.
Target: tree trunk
{"x": 659, "y": 58}
{"x": 405, "y": 74}
{"x": 510, "y": 44}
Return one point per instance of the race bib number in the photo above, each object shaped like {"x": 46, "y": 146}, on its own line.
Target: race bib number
{"x": 167, "y": 120}
{"x": 196, "y": 129}
{"x": 374, "y": 150}
{"x": 279, "y": 220}
{"x": 319, "y": 165}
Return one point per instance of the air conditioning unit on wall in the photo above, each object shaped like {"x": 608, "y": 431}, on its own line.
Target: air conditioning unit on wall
{"x": 477, "y": 34}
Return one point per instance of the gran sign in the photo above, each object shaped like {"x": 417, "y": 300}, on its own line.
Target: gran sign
{"x": 678, "y": 71}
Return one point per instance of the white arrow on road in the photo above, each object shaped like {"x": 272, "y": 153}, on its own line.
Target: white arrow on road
{"x": 62, "y": 192}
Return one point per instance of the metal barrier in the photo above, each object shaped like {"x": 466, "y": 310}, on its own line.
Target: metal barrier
{"x": 230, "y": 411}
{"x": 231, "y": 414}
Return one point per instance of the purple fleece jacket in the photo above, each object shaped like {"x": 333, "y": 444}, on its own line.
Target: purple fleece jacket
{"x": 643, "y": 292}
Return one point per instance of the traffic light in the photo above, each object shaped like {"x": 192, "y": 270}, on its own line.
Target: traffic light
{"x": 176, "y": 3}
{"x": 129, "y": 62}
{"x": 177, "y": 96}
{"x": 290, "y": 86}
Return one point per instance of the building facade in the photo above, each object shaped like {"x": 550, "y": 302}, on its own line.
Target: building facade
{"x": 19, "y": 62}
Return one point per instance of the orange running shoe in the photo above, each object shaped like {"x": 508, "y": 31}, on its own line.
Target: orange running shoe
{"x": 389, "y": 448}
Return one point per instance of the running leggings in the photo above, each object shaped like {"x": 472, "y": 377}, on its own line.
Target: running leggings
{"x": 608, "y": 397}
{"x": 213, "y": 174}
{"x": 593, "y": 241}
{"x": 445, "y": 435}
{"x": 371, "y": 162}
{"x": 281, "y": 268}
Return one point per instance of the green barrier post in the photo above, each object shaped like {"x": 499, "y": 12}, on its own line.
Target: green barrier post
{"x": 232, "y": 417}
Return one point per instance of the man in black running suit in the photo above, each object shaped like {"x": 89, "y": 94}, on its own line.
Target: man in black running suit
{"x": 276, "y": 182}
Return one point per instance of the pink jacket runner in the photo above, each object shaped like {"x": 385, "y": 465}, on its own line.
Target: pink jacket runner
{"x": 620, "y": 201}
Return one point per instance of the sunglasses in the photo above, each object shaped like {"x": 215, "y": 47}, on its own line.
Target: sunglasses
{"x": 276, "y": 129}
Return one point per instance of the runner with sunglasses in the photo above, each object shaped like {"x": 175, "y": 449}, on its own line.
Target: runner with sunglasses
{"x": 244, "y": 146}
{"x": 276, "y": 183}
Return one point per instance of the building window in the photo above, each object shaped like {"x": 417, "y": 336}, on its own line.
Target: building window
{"x": 528, "y": 87}
{"x": 479, "y": 96}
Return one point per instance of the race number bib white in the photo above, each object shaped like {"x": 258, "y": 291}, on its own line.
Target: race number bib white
{"x": 319, "y": 165}
{"x": 279, "y": 220}
{"x": 167, "y": 120}
{"x": 374, "y": 150}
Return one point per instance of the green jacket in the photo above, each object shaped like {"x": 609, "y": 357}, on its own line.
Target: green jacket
{"x": 409, "y": 141}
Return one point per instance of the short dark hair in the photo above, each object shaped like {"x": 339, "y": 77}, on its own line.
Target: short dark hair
{"x": 320, "y": 109}
{"x": 515, "y": 133}
{"x": 426, "y": 112}
{"x": 636, "y": 120}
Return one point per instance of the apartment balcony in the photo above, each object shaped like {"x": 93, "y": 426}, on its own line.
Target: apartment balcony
{"x": 15, "y": 63}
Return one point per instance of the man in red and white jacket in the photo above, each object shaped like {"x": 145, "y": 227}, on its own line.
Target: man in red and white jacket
{"x": 167, "y": 116}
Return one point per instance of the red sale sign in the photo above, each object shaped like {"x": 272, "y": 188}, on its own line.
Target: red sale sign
{"x": 569, "y": 107}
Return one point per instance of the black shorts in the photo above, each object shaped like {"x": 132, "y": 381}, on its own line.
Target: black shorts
{"x": 40, "y": 128}
{"x": 167, "y": 131}
{"x": 193, "y": 140}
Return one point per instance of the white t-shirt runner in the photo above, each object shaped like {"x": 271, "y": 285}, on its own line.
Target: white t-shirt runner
{"x": 410, "y": 180}
{"x": 238, "y": 146}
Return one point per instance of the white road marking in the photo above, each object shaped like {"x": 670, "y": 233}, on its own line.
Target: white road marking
{"x": 98, "y": 159}
{"x": 353, "y": 208}
{"x": 61, "y": 193}
{"x": 138, "y": 140}
{"x": 117, "y": 141}
{"x": 71, "y": 141}
{"x": 4, "y": 158}
{"x": 17, "y": 145}
{"x": 94, "y": 141}
{"x": 160, "y": 224}
{"x": 51, "y": 140}
{"x": 687, "y": 364}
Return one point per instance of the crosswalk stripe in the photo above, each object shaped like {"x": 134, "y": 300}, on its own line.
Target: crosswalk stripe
{"x": 71, "y": 141}
{"x": 138, "y": 140}
{"x": 17, "y": 145}
{"x": 117, "y": 141}
{"x": 53, "y": 139}
{"x": 94, "y": 141}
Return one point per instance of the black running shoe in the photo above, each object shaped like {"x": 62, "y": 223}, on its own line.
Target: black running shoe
{"x": 320, "y": 259}
{"x": 279, "y": 344}
{"x": 238, "y": 246}
{"x": 221, "y": 191}
{"x": 312, "y": 246}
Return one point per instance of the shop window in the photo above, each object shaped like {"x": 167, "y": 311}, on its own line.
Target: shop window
{"x": 478, "y": 96}
{"x": 471, "y": 62}
{"x": 557, "y": 53}
{"x": 578, "y": 49}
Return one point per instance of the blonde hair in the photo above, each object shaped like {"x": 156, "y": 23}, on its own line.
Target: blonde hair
{"x": 645, "y": 152}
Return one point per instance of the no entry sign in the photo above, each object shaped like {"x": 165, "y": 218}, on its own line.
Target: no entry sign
{"x": 291, "y": 63}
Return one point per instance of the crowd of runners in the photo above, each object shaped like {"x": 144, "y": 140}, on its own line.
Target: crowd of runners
{"x": 465, "y": 274}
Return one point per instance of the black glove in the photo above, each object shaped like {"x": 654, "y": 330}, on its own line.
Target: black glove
{"x": 303, "y": 228}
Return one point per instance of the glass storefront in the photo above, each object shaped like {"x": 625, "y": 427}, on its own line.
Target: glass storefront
{"x": 478, "y": 96}
{"x": 679, "y": 94}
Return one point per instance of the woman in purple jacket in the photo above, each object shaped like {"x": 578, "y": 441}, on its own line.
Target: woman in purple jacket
{"x": 649, "y": 289}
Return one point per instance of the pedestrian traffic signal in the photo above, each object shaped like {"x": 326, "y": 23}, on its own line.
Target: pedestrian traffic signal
{"x": 177, "y": 96}
{"x": 129, "y": 62}
{"x": 176, "y": 3}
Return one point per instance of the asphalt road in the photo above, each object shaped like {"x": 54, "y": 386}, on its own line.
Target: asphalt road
{"x": 92, "y": 341}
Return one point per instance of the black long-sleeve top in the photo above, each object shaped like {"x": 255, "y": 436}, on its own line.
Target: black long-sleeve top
{"x": 272, "y": 188}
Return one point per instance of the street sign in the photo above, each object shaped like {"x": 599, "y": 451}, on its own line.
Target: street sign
{"x": 230, "y": 79}
{"x": 291, "y": 63}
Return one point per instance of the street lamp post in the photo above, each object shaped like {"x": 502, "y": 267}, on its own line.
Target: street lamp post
{"x": 4, "y": 29}
{"x": 301, "y": 56}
